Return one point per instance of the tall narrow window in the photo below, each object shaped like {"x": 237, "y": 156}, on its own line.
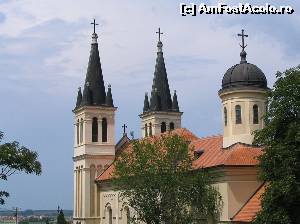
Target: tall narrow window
{"x": 146, "y": 130}
{"x": 77, "y": 132}
{"x": 95, "y": 130}
{"x": 104, "y": 130}
{"x": 163, "y": 127}
{"x": 127, "y": 213}
{"x": 81, "y": 130}
{"x": 238, "y": 114}
{"x": 109, "y": 215}
{"x": 255, "y": 114}
{"x": 225, "y": 116}
{"x": 150, "y": 129}
{"x": 172, "y": 126}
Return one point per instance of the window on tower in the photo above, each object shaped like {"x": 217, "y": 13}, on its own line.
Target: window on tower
{"x": 225, "y": 116}
{"x": 163, "y": 127}
{"x": 146, "y": 130}
{"x": 95, "y": 130}
{"x": 255, "y": 114}
{"x": 150, "y": 129}
{"x": 77, "y": 132}
{"x": 238, "y": 114}
{"x": 104, "y": 130}
{"x": 81, "y": 130}
{"x": 172, "y": 126}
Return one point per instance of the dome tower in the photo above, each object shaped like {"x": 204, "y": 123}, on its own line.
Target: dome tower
{"x": 243, "y": 94}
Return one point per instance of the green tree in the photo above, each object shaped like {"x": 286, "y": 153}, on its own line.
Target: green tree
{"x": 280, "y": 163}
{"x": 61, "y": 218}
{"x": 13, "y": 158}
{"x": 157, "y": 179}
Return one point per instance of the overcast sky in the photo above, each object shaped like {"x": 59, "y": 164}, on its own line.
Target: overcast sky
{"x": 44, "y": 51}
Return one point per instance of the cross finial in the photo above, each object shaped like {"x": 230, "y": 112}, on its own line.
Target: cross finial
{"x": 243, "y": 46}
{"x": 95, "y": 24}
{"x": 124, "y": 129}
{"x": 159, "y": 33}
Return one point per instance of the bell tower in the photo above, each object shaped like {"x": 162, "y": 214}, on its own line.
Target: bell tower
{"x": 244, "y": 95}
{"x": 94, "y": 143}
{"x": 162, "y": 113}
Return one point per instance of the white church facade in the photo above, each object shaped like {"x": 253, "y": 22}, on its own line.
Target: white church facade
{"x": 232, "y": 155}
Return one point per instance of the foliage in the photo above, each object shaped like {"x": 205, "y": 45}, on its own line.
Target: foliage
{"x": 280, "y": 163}
{"x": 61, "y": 218}
{"x": 13, "y": 158}
{"x": 156, "y": 178}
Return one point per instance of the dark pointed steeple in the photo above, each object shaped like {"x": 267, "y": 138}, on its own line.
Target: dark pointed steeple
{"x": 79, "y": 98}
{"x": 94, "y": 74}
{"x": 109, "y": 100}
{"x": 146, "y": 103}
{"x": 175, "y": 106}
{"x": 94, "y": 93}
{"x": 160, "y": 85}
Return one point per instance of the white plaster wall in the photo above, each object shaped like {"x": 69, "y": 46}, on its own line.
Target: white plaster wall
{"x": 232, "y": 132}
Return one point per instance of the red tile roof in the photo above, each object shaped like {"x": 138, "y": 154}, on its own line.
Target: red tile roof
{"x": 249, "y": 210}
{"x": 213, "y": 154}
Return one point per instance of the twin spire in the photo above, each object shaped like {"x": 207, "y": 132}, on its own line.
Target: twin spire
{"x": 94, "y": 93}
{"x": 160, "y": 95}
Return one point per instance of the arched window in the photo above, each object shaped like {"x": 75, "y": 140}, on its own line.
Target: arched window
{"x": 104, "y": 130}
{"x": 172, "y": 126}
{"x": 146, "y": 130}
{"x": 81, "y": 130}
{"x": 225, "y": 116}
{"x": 163, "y": 127}
{"x": 150, "y": 129}
{"x": 109, "y": 215}
{"x": 238, "y": 114}
{"x": 95, "y": 130}
{"x": 77, "y": 132}
{"x": 255, "y": 114}
{"x": 126, "y": 215}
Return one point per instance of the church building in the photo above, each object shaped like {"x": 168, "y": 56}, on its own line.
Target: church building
{"x": 232, "y": 155}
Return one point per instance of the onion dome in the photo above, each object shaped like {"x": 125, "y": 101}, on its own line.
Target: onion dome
{"x": 244, "y": 74}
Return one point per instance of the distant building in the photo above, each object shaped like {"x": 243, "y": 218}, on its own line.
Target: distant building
{"x": 232, "y": 155}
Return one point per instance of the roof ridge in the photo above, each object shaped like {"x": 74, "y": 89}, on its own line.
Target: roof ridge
{"x": 243, "y": 144}
{"x": 210, "y": 136}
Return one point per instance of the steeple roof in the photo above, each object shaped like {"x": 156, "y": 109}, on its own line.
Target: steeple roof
{"x": 244, "y": 74}
{"x": 94, "y": 76}
{"x": 94, "y": 90}
{"x": 160, "y": 99}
